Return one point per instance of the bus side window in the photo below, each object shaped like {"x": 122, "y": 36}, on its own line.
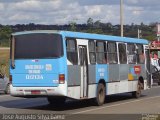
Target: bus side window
{"x": 122, "y": 53}
{"x": 92, "y": 52}
{"x": 112, "y": 52}
{"x": 131, "y": 53}
{"x": 140, "y": 54}
{"x": 72, "y": 55}
{"x": 101, "y": 52}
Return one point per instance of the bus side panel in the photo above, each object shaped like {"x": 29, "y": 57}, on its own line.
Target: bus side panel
{"x": 92, "y": 81}
{"x": 123, "y": 76}
{"x": 74, "y": 75}
{"x": 134, "y": 74}
{"x": 119, "y": 81}
{"x": 92, "y": 74}
{"x": 143, "y": 71}
{"x": 95, "y": 73}
{"x": 123, "y": 73}
{"x": 113, "y": 72}
{"x": 143, "y": 74}
{"x": 74, "y": 80}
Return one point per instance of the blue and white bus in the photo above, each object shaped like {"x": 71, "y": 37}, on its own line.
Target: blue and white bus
{"x": 64, "y": 64}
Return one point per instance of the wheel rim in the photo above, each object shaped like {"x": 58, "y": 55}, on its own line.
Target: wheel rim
{"x": 8, "y": 89}
{"x": 101, "y": 95}
{"x": 139, "y": 91}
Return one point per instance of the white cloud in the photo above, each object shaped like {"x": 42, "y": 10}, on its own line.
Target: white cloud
{"x": 63, "y": 11}
{"x": 1, "y": 6}
{"x": 93, "y": 10}
{"x": 36, "y": 6}
{"x": 133, "y": 1}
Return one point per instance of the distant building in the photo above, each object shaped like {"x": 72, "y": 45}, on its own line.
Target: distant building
{"x": 158, "y": 36}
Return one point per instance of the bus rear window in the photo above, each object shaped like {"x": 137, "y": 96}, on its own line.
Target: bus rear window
{"x": 38, "y": 45}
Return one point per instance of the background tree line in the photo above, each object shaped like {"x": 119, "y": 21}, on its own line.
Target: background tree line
{"x": 91, "y": 26}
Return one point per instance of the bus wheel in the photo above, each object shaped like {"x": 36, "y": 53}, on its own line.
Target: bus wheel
{"x": 56, "y": 100}
{"x": 101, "y": 93}
{"x": 7, "y": 90}
{"x": 137, "y": 94}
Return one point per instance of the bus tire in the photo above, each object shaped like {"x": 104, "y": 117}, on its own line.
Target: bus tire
{"x": 137, "y": 94}
{"x": 56, "y": 100}
{"x": 7, "y": 90}
{"x": 101, "y": 94}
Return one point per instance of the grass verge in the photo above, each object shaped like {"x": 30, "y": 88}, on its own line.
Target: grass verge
{"x": 4, "y": 61}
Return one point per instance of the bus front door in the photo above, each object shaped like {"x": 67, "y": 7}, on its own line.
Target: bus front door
{"x": 84, "y": 71}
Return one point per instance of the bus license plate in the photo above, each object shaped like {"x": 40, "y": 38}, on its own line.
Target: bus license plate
{"x": 35, "y": 92}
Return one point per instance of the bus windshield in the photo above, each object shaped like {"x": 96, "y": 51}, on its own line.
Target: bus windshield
{"x": 38, "y": 46}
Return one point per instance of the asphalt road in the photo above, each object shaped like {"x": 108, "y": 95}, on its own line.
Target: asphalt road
{"x": 121, "y": 106}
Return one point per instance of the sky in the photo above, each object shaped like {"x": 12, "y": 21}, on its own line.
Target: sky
{"x": 65, "y": 11}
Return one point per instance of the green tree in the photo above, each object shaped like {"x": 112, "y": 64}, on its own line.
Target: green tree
{"x": 72, "y": 26}
{"x": 97, "y": 24}
{"x": 90, "y": 22}
{"x": 5, "y": 33}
